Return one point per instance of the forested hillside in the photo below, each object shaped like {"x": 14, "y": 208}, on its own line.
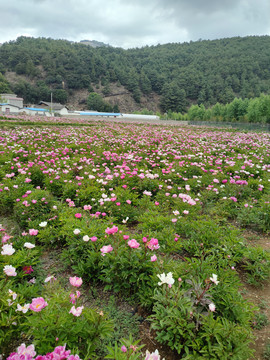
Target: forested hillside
{"x": 176, "y": 75}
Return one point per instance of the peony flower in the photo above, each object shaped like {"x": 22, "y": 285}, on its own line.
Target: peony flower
{"x": 214, "y": 279}
{"x": 166, "y": 279}
{"x": 133, "y": 244}
{"x": 38, "y": 304}
{"x": 74, "y": 297}
{"x": 123, "y": 349}
{"x": 153, "y": 244}
{"x": 49, "y": 278}
{"x": 87, "y": 207}
{"x": 86, "y": 238}
{"x": 75, "y": 281}
{"x": 153, "y": 356}
{"x": 212, "y": 307}
{"x": 7, "y": 250}
{"x": 78, "y": 215}
{"x": 112, "y": 230}
{"x": 25, "y": 352}
{"x": 28, "y": 269}
{"x": 76, "y": 231}
{"x": 33, "y": 232}
{"x": 9, "y": 270}
{"x": 23, "y": 308}
{"x": 76, "y": 312}
{"x": 43, "y": 224}
{"x": 29, "y": 245}
{"x": 13, "y": 294}
{"x": 153, "y": 258}
{"x": 106, "y": 249}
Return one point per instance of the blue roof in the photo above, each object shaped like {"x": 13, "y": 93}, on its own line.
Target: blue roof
{"x": 35, "y": 109}
{"x": 99, "y": 113}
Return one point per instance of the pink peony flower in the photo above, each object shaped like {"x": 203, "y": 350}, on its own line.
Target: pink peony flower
{"x": 78, "y": 215}
{"x": 33, "y": 232}
{"x": 133, "y": 244}
{"x": 123, "y": 349}
{"x": 38, "y": 304}
{"x": 112, "y": 230}
{"x": 9, "y": 270}
{"x": 76, "y": 312}
{"x": 153, "y": 356}
{"x": 24, "y": 353}
{"x": 87, "y": 207}
{"x": 153, "y": 258}
{"x": 74, "y": 297}
{"x": 106, "y": 249}
{"x": 28, "y": 269}
{"x": 153, "y": 244}
{"x": 212, "y": 307}
{"x": 59, "y": 352}
{"x": 75, "y": 281}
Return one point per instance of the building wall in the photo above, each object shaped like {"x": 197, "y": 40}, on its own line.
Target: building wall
{"x": 12, "y": 99}
{"x": 9, "y": 109}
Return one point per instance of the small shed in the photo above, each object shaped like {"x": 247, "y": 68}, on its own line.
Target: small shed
{"x": 55, "y": 107}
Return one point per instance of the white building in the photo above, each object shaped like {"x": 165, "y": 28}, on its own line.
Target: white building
{"x": 56, "y": 108}
{"x": 11, "y": 99}
{"x": 6, "y": 109}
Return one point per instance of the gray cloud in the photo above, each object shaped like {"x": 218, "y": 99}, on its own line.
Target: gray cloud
{"x": 134, "y": 23}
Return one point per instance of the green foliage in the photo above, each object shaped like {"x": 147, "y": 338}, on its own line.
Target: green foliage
{"x": 184, "y": 322}
{"x": 202, "y": 72}
{"x": 82, "y": 334}
{"x": 266, "y": 353}
{"x": 39, "y": 209}
{"x": 256, "y": 262}
{"x": 133, "y": 350}
{"x": 96, "y": 102}
{"x": 260, "y": 320}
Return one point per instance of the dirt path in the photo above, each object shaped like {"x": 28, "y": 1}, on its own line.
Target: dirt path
{"x": 260, "y": 296}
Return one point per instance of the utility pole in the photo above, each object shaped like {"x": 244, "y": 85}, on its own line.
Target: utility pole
{"x": 51, "y": 103}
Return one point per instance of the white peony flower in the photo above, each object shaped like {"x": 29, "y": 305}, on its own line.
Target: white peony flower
{"x": 166, "y": 279}
{"x": 214, "y": 279}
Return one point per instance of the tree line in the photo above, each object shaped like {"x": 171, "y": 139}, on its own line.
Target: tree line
{"x": 182, "y": 74}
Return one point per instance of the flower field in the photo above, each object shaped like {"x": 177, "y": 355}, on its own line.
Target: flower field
{"x": 155, "y": 214}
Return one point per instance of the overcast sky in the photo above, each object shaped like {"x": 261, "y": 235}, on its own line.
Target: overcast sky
{"x": 133, "y": 23}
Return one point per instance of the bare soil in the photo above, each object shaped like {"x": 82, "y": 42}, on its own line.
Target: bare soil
{"x": 259, "y": 296}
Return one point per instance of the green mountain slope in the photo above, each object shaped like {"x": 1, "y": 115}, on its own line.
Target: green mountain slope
{"x": 174, "y": 75}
